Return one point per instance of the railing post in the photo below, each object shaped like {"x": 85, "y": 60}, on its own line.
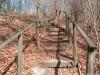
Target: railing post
{"x": 90, "y": 61}
{"x": 68, "y": 30}
{"x": 37, "y": 28}
{"x": 75, "y": 45}
{"x": 67, "y": 23}
{"x": 37, "y": 35}
{"x": 20, "y": 55}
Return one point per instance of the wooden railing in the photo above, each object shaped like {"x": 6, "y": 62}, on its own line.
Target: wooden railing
{"x": 76, "y": 26}
{"x": 18, "y": 35}
{"x": 91, "y": 45}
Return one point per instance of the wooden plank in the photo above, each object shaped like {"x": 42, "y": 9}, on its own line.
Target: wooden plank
{"x": 56, "y": 33}
{"x": 52, "y": 48}
{"x": 20, "y": 55}
{"x": 56, "y": 37}
{"x": 54, "y": 29}
{"x": 59, "y": 39}
{"x": 53, "y": 63}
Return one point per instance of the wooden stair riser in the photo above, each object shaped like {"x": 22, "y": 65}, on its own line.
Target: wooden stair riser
{"x": 53, "y": 29}
{"x": 57, "y": 64}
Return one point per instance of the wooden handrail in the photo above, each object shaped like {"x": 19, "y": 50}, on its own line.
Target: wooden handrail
{"x": 81, "y": 31}
{"x": 4, "y": 44}
{"x": 91, "y": 49}
{"x": 83, "y": 34}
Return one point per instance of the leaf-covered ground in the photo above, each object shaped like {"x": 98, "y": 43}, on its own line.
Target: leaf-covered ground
{"x": 32, "y": 56}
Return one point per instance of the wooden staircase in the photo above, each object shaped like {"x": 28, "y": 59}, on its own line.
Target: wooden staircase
{"x": 58, "y": 42}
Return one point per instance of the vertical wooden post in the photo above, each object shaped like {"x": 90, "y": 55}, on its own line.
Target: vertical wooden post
{"x": 99, "y": 53}
{"x": 20, "y": 55}
{"x": 75, "y": 45}
{"x": 99, "y": 57}
{"x": 68, "y": 30}
{"x": 37, "y": 35}
{"x": 90, "y": 61}
{"x": 67, "y": 24}
{"x": 37, "y": 29}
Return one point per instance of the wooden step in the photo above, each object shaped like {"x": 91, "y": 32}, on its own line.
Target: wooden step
{"x": 56, "y": 41}
{"x": 59, "y": 38}
{"x": 56, "y": 37}
{"x": 54, "y": 63}
{"x": 53, "y": 29}
{"x": 52, "y": 48}
{"x": 56, "y": 33}
{"x": 50, "y": 26}
{"x": 55, "y": 44}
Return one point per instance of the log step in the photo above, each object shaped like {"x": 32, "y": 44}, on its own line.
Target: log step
{"x": 55, "y": 44}
{"x": 56, "y": 34}
{"x": 54, "y": 63}
{"x": 51, "y": 26}
{"x": 52, "y": 48}
{"x": 53, "y": 29}
{"x": 58, "y": 38}
{"x": 58, "y": 41}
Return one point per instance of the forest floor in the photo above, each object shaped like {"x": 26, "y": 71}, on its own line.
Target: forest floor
{"x": 32, "y": 56}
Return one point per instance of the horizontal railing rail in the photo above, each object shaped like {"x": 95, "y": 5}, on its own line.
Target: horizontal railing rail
{"x": 81, "y": 31}
{"x": 5, "y": 43}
